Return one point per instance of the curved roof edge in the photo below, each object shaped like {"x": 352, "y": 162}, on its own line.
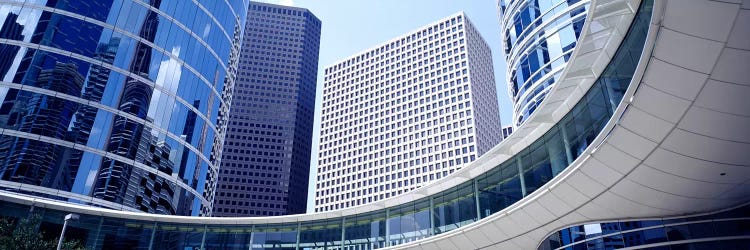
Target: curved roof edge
{"x": 676, "y": 146}
{"x": 597, "y": 43}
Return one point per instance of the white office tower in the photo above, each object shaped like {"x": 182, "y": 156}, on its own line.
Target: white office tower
{"x": 404, "y": 113}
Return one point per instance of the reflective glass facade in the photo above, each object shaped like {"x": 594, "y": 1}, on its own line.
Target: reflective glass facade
{"x": 538, "y": 37}
{"x": 266, "y": 161}
{"x": 117, "y": 103}
{"x": 408, "y": 221}
{"x": 725, "y": 230}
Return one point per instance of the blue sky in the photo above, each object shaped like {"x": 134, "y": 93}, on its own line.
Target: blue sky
{"x": 351, "y": 26}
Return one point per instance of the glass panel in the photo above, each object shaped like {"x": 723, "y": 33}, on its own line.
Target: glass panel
{"x": 551, "y": 242}
{"x": 178, "y": 236}
{"x": 536, "y": 166}
{"x": 366, "y": 231}
{"x": 573, "y": 234}
{"x": 409, "y": 222}
{"x": 558, "y": 159}
{"x": 81, "y": 39}
{"x": 732, "y": 228}
{"x": 275, "y": 236}
{"x": 324, "y": 234}
{"x": 454, "y": 208}
{"x": 115, "y": 233}
{"x": 228, "y": 237}
{"x": 643, "y": 237}
{"x": 490, "y": 199}
{"x": 711, "y": 245}
{"x": 499, "y": 188}
{"x": 511, "y": 184}
{"x": 689, "y": 231}
{"x": 630, "y": 225}
{"x": 613, "y": 242}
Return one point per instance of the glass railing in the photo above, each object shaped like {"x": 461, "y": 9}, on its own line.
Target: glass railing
{"x": 725, "y": 230}
{"x": 436, "y": 214}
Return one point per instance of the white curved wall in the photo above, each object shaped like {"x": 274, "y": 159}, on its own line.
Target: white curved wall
{"x": 680, "y": 147}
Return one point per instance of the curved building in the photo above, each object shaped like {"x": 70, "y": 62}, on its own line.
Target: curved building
{"x": 642, "y": 143}
{"x": 538, "y": 39}
{"x": 117, "y": 104}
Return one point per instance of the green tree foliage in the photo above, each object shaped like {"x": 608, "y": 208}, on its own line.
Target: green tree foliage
{"x": 25, "y": 235}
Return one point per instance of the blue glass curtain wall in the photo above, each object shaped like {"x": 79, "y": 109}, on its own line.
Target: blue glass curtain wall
{"x": 461, "y": 205}
{"x": 116, "y": 103}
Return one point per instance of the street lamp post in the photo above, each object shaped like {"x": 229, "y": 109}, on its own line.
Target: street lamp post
{"x": 68, "y": 217}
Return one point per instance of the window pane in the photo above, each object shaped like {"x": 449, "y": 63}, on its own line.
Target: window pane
{"x": 228, "y": 237}
{"x": 324, "y": 233}
{"x": 278, "y": 236}
{"x": 454, "y": 208}
{"x": 366, "y": 231}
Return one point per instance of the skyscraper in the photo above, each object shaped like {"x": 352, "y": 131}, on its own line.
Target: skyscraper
{"x": 117, "y": 105}
{"x": 266, "y": 160}
{"x": 538, "y": 39}
{"x": 404, "y": 113}
{"x": 634, "y": 162}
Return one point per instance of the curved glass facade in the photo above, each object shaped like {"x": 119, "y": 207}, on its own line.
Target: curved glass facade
{"x": 539, "y": 37}
{"x": 445, "y": 211}
{"x": 725, "y": 230}
{"x": 117, "y": 103}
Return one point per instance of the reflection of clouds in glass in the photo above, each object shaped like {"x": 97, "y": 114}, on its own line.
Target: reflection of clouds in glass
{"x": 14, "y": 67}
{"x": 169, "y": 72}
{"x": 168, "y": 78}
{"x": 4, "y": 11}
{"x": 95, "y": 131}
{"x": 3, "y": 92}
{"x": 553, "y": 41}
{"x": 206, "y": 31}
{"x": 28, "y": 17}
{"x": 554, "y": 45}
{"x": 592, "y": 229}
{"x": 91, "y": 178}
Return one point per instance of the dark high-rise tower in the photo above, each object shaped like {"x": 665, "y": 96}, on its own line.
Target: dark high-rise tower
{"x": 266, "y": 157}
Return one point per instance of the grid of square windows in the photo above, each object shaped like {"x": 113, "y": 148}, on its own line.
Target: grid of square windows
{"x": 266, "y": 156}
{"x": 405, "y": 113}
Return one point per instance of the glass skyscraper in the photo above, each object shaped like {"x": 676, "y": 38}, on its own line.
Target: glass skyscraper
{"x": 538, "y": 39}
{"x": 266, "y": 160}
{"x": 119, "y": 104}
